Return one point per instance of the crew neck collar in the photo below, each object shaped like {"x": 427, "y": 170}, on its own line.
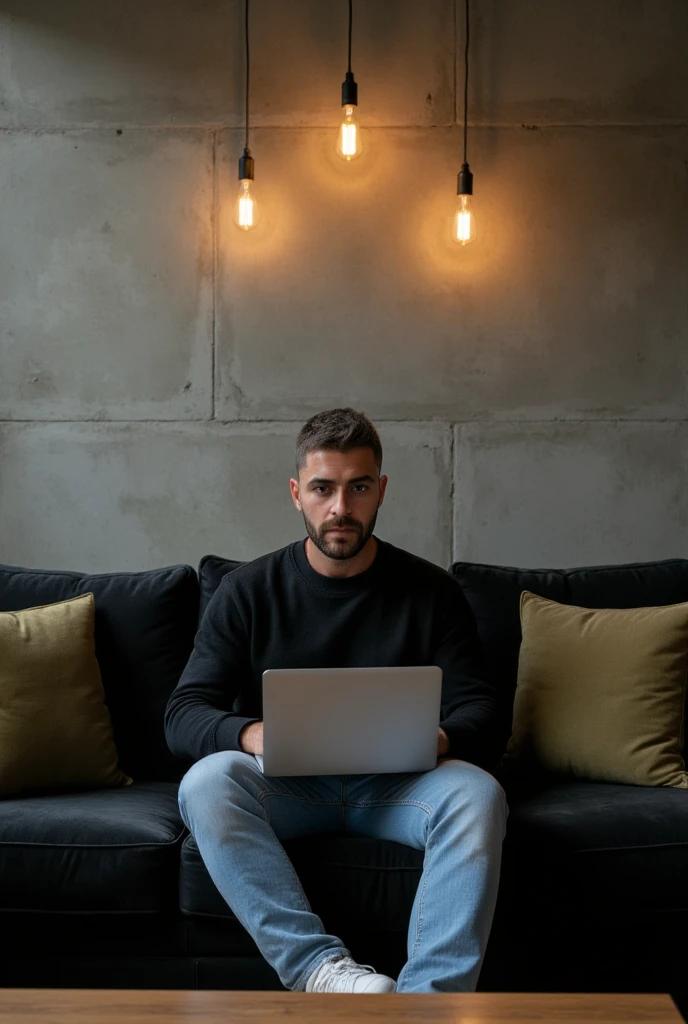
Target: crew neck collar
{"x": 332, "y": 584}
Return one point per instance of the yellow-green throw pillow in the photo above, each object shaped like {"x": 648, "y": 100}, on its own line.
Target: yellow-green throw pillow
{"x": 55, "y": 729}
{"x": 601, "y": 692}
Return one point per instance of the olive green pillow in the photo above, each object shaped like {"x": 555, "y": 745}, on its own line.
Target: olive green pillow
{"x": 601, "y": 692}
{"x": 55, "y": 729}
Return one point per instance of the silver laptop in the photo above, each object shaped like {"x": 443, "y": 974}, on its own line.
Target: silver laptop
{"x": 350, "y": 721}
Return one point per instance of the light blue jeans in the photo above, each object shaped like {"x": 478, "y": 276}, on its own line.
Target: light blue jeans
{"x": 456, "y": 813}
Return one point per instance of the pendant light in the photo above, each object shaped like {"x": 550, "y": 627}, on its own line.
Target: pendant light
{"x": 463, "y": 227}
{"x": 349, "y": 135}
{"x": 245, "y": 211}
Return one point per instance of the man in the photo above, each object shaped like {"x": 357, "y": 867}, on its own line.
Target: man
{"x": 342, "y": 598}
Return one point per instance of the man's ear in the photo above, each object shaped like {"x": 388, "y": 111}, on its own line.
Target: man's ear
{"x": 383, "y": 485}
{"x": 294, "y": 488}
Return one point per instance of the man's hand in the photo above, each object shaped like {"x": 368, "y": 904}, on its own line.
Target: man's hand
{"x": 251, "y": 738}
{"x": 442, "y": 743}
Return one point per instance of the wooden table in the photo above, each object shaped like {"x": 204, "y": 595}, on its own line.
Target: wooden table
{"x": 153, "y": 1006}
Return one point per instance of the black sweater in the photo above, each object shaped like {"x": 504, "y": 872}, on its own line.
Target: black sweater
{"x": 278, "y": 612}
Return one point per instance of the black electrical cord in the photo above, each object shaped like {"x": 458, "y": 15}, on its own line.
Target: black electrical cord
{"x": 351, "y": 18}
{"x": 349, "y": 87}
{"x": 247, "y": 71}
{"x": 465, "y": 84}
{"x": 246, "y": 161}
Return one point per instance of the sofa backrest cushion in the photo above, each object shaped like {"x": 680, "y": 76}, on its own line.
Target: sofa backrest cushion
{"x": 145, "y": 623}
{"x": 494, "y": 592}
{"x": 211, "y": 569}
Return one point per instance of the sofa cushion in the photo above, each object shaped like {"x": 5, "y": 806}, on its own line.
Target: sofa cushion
{"x": 103, "y": 851}
{"x": 145, "y": 624}
{"x": 55, "y": 729}
{"x": 211, "y": 569}
{"x": 601, "y": 692}
{"x": 494, "y": 594}
{"x": 601, "y": 844}
{"x": 348, "y": 879}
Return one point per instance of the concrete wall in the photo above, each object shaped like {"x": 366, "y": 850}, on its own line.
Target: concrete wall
{"x": 156, "y": 363}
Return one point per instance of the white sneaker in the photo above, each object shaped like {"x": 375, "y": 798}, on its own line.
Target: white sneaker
{"x": 342, "y": 974}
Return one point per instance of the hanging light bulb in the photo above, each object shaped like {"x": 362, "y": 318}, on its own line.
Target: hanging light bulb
{"x": 349, "y": 135}
{"x": 245, "y": 210}
{"x": 463, "y": 226}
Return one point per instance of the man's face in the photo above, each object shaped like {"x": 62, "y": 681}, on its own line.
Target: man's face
{"x": 339, "y": 489}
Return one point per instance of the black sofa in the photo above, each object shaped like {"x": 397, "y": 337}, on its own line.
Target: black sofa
{"x": 106, "y": 888}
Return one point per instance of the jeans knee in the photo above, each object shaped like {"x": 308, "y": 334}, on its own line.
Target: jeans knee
{"x": 479, "y": 792}
{"x": 207, "y": 778}
{"x": 491, "y": 790}
{"x": 490, "y": 795}
{"x": 494, "y": 808}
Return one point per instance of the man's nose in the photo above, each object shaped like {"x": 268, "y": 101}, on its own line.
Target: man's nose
{"x": 340, "y": 506}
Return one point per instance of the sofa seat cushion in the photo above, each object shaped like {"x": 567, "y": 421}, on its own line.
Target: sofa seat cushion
{"x": 348, "y": 879}
{"x": 103, "y": 851}
{"x": 603, "y": 843}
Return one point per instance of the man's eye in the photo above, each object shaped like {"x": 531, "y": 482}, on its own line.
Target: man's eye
{"x": 321, "y": 487}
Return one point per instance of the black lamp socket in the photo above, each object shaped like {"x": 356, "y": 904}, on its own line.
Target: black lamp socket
{"x": 349, "y": 91}
{"x": 465, "y": 182}
{"x": 246, "y": 165}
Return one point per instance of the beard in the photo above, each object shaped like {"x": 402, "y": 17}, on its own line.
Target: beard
{"x": 345, "y": 546}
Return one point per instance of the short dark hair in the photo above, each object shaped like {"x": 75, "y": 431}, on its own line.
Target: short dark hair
{"x": 337, "y": 430}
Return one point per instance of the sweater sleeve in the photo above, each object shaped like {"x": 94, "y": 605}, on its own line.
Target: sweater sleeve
{"x": 199, "y": 719}
{"x": 470, "y": 713}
